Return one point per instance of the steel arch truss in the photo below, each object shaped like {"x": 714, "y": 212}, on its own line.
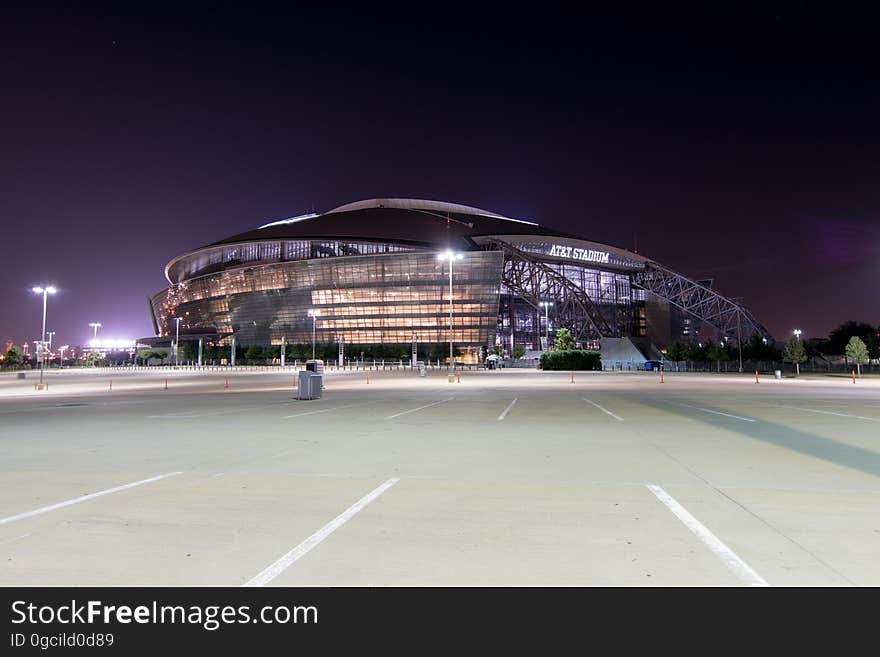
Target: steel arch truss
{"x": 534, "y": 281}
{"x": 729, "y": 317}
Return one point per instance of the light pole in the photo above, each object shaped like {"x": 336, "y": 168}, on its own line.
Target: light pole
{"x": 176, "y": 338}
{"x": 451, "y": 257}
{"x": 45, "y": 290}
{"x": 61, "y": 359}
{"x": 797, "y": 366}
{"x": 546, "y": 305}
{"x": 797, "y": 333}
{"x": 96, "y": 326}
{"x": 314, "y": 315}
{"x": 50, "y": 335}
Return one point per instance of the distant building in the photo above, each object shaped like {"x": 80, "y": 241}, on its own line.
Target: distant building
{"x": 370, "y": 273}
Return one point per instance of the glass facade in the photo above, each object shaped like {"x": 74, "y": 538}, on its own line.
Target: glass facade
{"x": 384, "y": 298}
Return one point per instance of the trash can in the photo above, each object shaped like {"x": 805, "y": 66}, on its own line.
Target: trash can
{"x": 316, "y": 366}
{"x": 422, "y": 369}
{"x": 778, "y": 374}
{"x": 316, "y": 386}
{"x": 309, "y": 385}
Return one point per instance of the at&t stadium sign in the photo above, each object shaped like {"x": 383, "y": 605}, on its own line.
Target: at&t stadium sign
{"x": 574, "y": 253}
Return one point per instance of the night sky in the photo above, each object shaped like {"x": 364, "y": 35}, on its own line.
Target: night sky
{"x": 740, "y": 145}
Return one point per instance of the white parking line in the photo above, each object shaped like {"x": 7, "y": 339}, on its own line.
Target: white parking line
{"x": 709, "y": 410}
{"x": 178, "y": 416}
{"x": 603, "y": 409}
{"x": 413, "y": 410}
{"x": 312, "y": 541}
{"x": 323, "y": 410}
{"x": 84, "y": 498}
{"x": 507, "y": 410}
{"x": 739, "y": 567}
{"x": 816, "y": 410}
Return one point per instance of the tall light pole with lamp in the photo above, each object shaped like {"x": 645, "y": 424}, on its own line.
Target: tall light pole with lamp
{"x": 451, "y": 257}
{"x": 49, "y": 335}
{"x": 797, "y": 366}
{"x": 45, "y": 290}
{"x": 96, "y": 326}
{"x": 546, "y": 305}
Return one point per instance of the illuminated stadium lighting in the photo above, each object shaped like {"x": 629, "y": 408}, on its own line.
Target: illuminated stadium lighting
{"x": 291, "y": 220}
{"x": 112, "y": 343}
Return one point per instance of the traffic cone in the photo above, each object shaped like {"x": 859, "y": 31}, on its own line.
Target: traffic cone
{"x": 572, "y": 376}
{"x": 661, "y": 376}
{"x": 854, "y": 376}
{"x": 111, "y": 384}
{"x": 226, "y": 385}
{"x": 756, "y": 376}
{"x": 459, "y": 377}
{"x": 166, "y": 384}
{"x": 368, "y": 378}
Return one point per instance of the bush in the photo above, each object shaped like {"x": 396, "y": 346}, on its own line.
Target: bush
{"x": 573, "y": 359}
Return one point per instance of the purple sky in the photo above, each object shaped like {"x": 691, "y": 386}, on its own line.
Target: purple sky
{"x": 741, "y": 146}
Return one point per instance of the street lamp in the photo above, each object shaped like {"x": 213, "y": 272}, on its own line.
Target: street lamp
{"x": 176, "y": 338}
{"x": 451, "y": 257}
{"x": 96, "y": 326}
{"x": 546, "y": 305}
{"x": 45, "y": 290}
{"x": 314, "y": 315}
{"x": 797, "y": 333}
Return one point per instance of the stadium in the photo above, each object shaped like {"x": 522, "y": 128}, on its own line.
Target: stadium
{"x": 377, "y": 272}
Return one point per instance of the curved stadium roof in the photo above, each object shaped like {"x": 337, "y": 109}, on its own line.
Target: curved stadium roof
{"x": 406, "y": 221}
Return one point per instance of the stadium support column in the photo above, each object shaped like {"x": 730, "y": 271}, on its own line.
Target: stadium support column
{"x": 341, "y": 357}
{"x": 200, "y": 351}
{"x": 282, "y": 351}
{"x": 739, "y": 338}
{"x": 415, "y": 350}
{"x": 232, "y": 353}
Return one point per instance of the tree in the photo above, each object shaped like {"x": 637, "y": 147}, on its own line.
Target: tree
{"x": 14, "y": 357}
{"x": 93, "y": 359}
{"x": 795, "y": 353}
{"x": 839, "y": 338}
{"x": 498, "y": 350}
{"x": 718, "y": 352}
{"x": 519, "y": 351}
{"x": 564, "y": 340}
{"x": 253, "y": 352}
{"x": 857, "y": 352}
{"x": 676, "y": 352}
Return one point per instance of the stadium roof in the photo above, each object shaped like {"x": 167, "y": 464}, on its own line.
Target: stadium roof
{"x": 413, "y": 221}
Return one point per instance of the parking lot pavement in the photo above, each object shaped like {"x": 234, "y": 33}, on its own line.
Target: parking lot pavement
{"x": 506, "y": 478}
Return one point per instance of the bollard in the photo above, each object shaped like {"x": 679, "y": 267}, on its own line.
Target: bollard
{"x": 166, "y": 384}
{"x": 111, "y": 384}
{"x": 756, "y": 376}
{"x": 661, "y": 376}
{"x": 854, "y": 376}
{"x": 368, "y": 378}
{"x": 226, "y": 385}
{"x": 572, "y": 376}
{"x": 459, "y": 377}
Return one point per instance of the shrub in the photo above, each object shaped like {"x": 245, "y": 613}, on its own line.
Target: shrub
{"x": 573, "y": 359}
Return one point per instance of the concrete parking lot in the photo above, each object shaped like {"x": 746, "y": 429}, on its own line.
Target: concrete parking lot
{"x": 506, "y": 478}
